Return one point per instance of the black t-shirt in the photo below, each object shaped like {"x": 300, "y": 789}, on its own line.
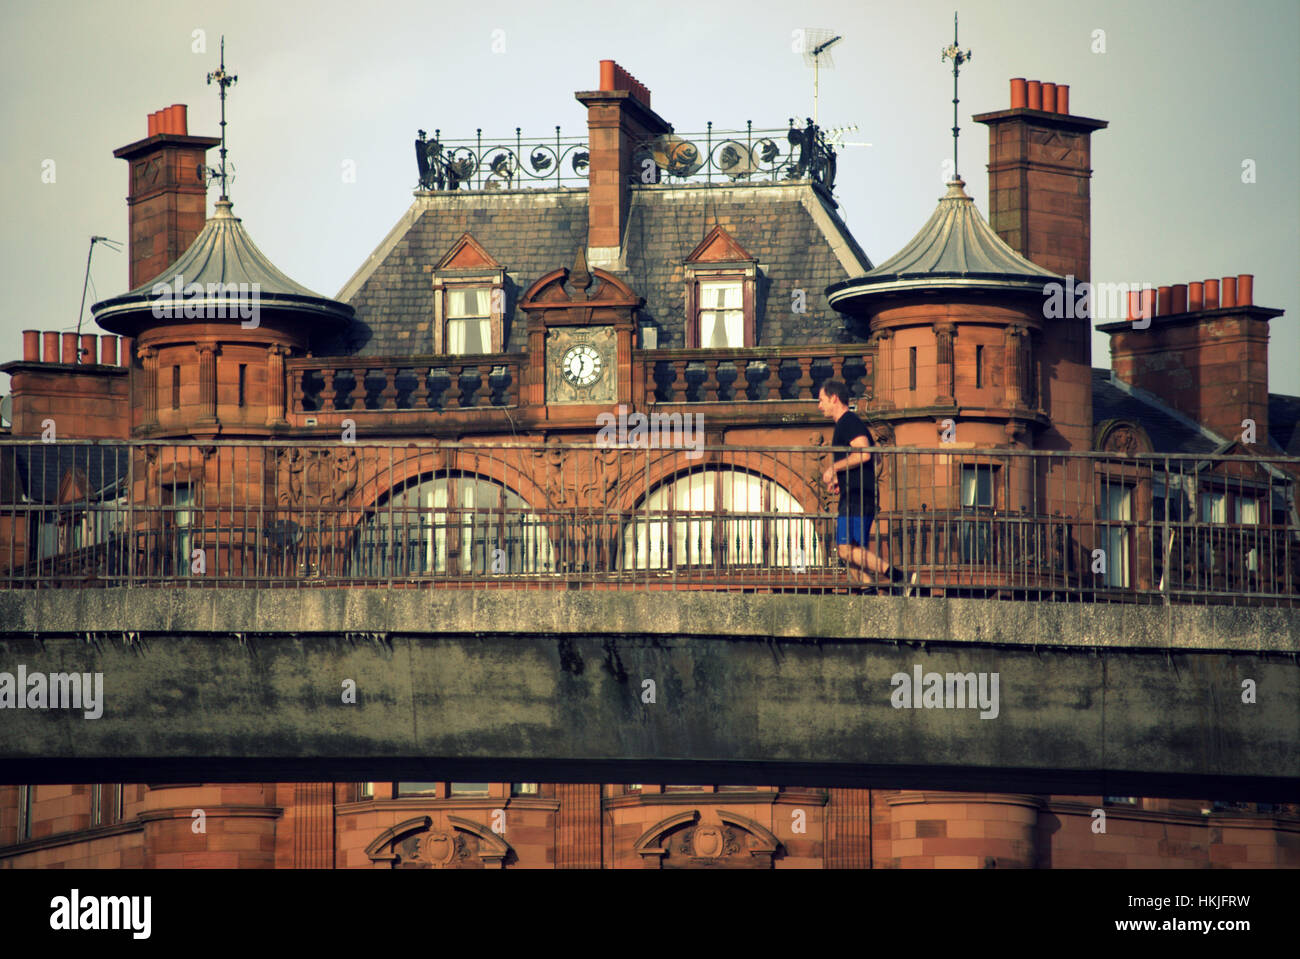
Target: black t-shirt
{"x": 857, "y": 483}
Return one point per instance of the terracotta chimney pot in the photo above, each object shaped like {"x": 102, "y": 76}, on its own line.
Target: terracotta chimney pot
{"x": 1062, "y": 98}
{"x": 1165, "y": 301}
{"x": 1211, "y": 294}
{"x": 1246, "y": 289}
{"x": 1195, "y": 297}
{"x": 108, "y": 350}
{"x": 50, "y": 347}
{"x": 1019, "y": 95}
{"x": 1228, "y": 299}
{"x": 1180, "y": 298}
{"x": 1049, "y": 97}
{"x": 31, "y": 346}
{"x": 1035, "y": 95}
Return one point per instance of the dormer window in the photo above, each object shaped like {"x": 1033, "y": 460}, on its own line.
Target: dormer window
{"x": 468, "y": 301}
{"x": 721, "y": 280}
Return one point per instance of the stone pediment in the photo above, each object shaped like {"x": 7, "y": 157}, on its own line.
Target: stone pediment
{"x": 426, "y": 843}
{"x": 682, "y": 841}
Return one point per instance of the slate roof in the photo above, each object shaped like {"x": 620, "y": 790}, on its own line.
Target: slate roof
{"x": 1284, "y": 422}
{"x": 35, "y": 470}
{"x": 1169, "y": 433}
{"x": 798, "y": 241}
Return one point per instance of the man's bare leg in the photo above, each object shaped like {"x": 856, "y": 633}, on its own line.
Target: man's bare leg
{"x": 857, "y": 572}
{"x": 864, "y": 558}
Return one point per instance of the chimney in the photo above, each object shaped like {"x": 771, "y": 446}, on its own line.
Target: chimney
{"x": 1204, "y": 355}
{"x": 619, "y": 119}
{"x": 1039, "y": 180}
{"x": 1039, "y": 174}
{"x": 166, "y": 194}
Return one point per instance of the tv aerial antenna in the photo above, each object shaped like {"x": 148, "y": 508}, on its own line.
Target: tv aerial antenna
{"x": 116, "y": 247}
{"x": 817, "y": 45}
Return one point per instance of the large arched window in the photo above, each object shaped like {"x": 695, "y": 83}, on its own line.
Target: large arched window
{"x": 692, "y": 520}
{"x": 455, "y": 525}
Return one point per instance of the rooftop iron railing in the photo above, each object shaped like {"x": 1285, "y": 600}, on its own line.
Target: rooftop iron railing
{"x": 728, "y": 156}
{"x": 678, "y": 515}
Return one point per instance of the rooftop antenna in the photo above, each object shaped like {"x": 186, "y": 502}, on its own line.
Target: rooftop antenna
{"x": 115, "y": 247}
{"x": 958, "y": 57}
{"x": 816, "y": 47}
{"x": 224, "y": 80}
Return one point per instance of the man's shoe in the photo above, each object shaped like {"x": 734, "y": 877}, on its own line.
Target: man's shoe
{"x": 900, "y": 578}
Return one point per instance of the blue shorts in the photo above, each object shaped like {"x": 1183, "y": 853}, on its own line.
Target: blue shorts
{"x": 854, "y": 530}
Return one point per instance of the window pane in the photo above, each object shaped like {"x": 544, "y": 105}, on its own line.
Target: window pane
{"x": 1247, "y": 510}
{"x": 472, "y": 302}
{"x": 470, "y": 789}
{"x": 1117, "y": 507}
{"x": 977, "y": 486}
{"x": 525, "y": 789}
{"x": 469, "y": 336}
{"x": 722, "y": 316}
{"x": 417, "y": 789}
{"x": 1213, "y": 507}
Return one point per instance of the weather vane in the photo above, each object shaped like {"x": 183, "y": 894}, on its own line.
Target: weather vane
{"x": 958, "y": 57}
{"x": 224, "y": 80}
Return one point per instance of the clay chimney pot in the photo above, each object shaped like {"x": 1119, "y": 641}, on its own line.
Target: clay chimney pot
{"x": 1019, "y": 96}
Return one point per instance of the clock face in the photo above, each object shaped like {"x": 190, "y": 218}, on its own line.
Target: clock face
{"x": 581, "y": 365}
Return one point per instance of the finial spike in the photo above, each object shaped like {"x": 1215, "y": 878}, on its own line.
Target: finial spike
{"x": 224, "y": 80}
{"x": 958, "y": 57}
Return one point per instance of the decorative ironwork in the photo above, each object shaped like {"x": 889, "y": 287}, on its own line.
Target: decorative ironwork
{"x": 494, "y": 165}
{"x": 797, "y": 153}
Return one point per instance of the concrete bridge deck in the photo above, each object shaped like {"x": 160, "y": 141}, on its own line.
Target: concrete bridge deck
{"x": 577, "y": 686}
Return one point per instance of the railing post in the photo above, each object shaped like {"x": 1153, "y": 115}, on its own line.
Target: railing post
{"x": 388, "y": 395}
{"x": 327, "y": 389}
{"x": 804, "y": 386}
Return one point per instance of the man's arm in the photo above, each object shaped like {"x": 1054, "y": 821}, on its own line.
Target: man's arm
{"x": 853, "y": 459}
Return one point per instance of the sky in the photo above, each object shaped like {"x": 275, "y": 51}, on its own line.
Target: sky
{"x": 1197, "y": 94}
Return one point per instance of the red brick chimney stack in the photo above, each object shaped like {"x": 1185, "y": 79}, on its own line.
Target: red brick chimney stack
{"x": 167, "y": 196}
{"x": 1039, "y": 174}
{"x": 618, "y": 119}
{"x": 1039, "y": 180}
{"x": 1205, "y": 353}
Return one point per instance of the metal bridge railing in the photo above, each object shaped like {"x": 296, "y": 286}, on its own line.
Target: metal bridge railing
{"x": 1012, "y": 524}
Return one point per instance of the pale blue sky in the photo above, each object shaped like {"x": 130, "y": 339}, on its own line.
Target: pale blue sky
{"x": 1190, "y": 89}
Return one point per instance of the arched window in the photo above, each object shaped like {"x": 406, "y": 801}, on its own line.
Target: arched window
{"x": 452, "y": 524}
{"x": 691, "y": 521}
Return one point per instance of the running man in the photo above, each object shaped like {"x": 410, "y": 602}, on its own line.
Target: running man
{"x": 854, "y": 479}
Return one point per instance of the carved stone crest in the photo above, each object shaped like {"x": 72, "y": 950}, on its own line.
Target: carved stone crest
{"x": 310, "y": 477}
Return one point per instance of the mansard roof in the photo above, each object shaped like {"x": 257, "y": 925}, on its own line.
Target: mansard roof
{"x": 796, "y": 237}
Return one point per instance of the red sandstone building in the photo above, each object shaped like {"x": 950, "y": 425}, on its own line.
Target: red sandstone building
{"x": 664, "y": 281}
